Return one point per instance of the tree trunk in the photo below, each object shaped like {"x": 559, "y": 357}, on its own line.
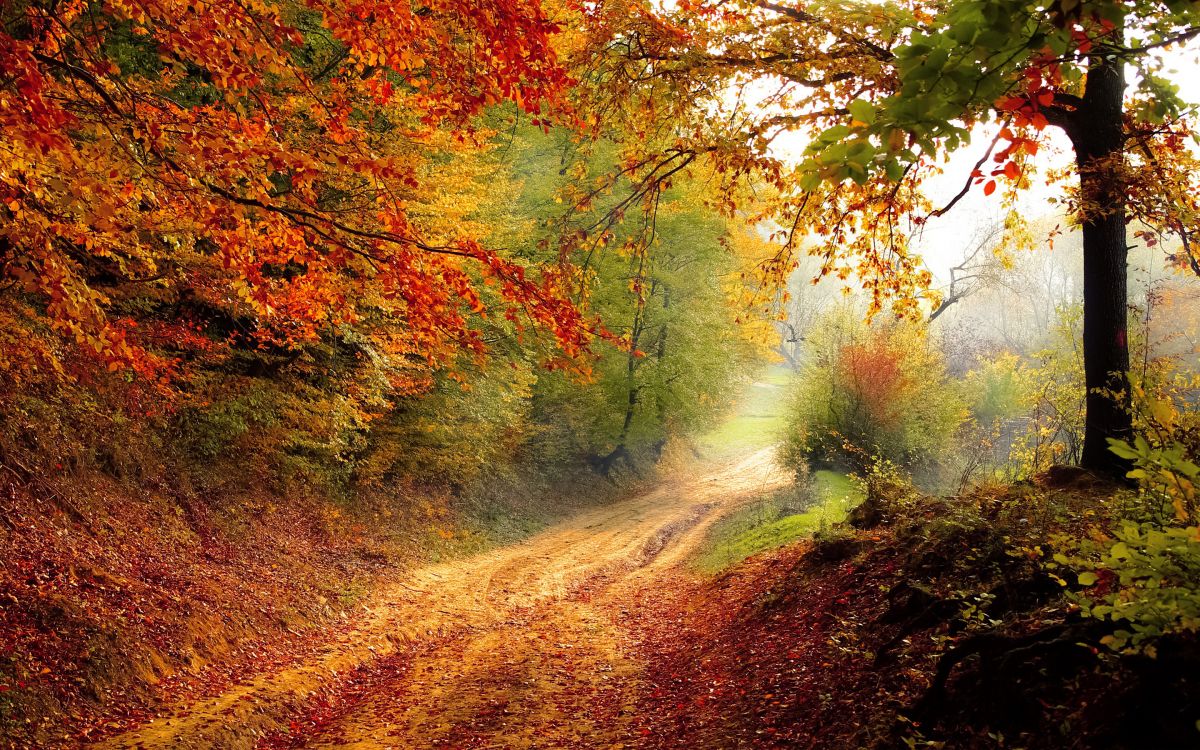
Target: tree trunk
{"x": 621, "y": 452}
{"x": 660, "y": 392}
{"x": 1097, "y": 134}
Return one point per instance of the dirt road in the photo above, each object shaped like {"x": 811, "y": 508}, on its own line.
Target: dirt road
{"x": 518, "y": 648}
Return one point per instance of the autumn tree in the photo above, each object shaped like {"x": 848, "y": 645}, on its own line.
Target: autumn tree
{"x": 885, "y": 93}
{"x": 255, "y": 171}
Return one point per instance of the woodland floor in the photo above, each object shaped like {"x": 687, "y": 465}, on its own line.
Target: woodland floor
{"x": 535, "y": 645}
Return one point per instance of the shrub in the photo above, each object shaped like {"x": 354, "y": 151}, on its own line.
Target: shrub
{"x": 871, "y": 391}
{"x": 1144, "y": 579}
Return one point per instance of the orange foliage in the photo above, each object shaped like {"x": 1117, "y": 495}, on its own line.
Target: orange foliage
{"x": 875, "y": 371}
{"x": 261, "y": 159}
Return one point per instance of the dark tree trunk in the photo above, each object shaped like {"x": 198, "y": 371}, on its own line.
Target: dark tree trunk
{"x": 1097, "y": 132}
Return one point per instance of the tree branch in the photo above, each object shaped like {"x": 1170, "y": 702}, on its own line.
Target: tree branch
{"x": 970, "y": 178}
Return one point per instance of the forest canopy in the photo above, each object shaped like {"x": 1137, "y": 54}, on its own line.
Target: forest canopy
{"x": 183, "y": 187}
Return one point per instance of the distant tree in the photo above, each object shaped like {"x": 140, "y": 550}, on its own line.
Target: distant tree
{"x": 666, "y": 286}
{"x": 800, "y": 305}
{"x": 979, "y": 266}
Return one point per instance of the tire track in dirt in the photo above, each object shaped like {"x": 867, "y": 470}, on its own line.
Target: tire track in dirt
{"x": 516, "y": 648}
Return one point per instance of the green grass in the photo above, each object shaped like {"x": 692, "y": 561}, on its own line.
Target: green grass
{"x": 758, "y": 420}
{"x": 779, "y": 519}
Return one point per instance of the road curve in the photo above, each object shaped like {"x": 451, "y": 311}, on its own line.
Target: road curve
{"x": 520, "y": 647}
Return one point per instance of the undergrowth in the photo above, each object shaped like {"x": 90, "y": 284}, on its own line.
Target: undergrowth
{"x": 931, "y": 622}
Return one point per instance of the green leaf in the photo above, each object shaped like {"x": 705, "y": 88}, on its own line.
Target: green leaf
{"x": 862, "y": 110}
{"x": 861, "y": 152}
{"x": 810, "y": 180}
{"x": 1087, "y": 578}
{"x": 833, "y": 134}
{"x": 1121, "y": 448}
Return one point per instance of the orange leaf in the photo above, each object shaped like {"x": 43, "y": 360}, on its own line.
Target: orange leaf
{"x": 990, "y": 187}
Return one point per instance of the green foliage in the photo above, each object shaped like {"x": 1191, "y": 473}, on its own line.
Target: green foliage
{"x": 455, "y": 431}
{"x": 1055, "y": 396}
{"x": 1144, "y": 581}
{"x": 211, "y": 431}
{"x": 957, "y": 65}
{"x": 883, "y": 481}
{"x": 1168, "y": 478}
{"x": 1036, "y": 403}
{"x": 46, "y": 435}
{"x": 996, "y": 391}
{"x": 662, "y": 285}
{"x": 1039, "y": 400}
{"x": 1146, "y": 578}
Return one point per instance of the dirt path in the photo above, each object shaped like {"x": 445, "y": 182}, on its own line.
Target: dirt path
{"x": 518, "y": 648}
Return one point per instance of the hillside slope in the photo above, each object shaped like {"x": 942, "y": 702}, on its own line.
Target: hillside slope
{"x": 938, "y": 626}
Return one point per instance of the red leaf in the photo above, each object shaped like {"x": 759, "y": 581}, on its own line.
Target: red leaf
{"x": 990, "y": 187}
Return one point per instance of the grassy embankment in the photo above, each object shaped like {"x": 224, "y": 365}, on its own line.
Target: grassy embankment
{"x": 779, "y": 519}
